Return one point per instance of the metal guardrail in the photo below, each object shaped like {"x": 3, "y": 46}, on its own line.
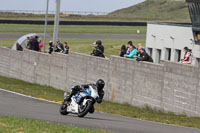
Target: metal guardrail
{"x": 53, "y": 12}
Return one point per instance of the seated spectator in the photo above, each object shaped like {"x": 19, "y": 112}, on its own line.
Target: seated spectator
{"x": 187, "y": 56}
{"x": 66, "y": 48}
{"x": 18, "y": 47}
{"x": 97, "y": 52}
{"x": 123, "y": 51}
{"x": 133, "y": 52}
{"x": 51, "y": 47}
{"x": 144, "y": 56}
{"x": 59, "y": 47}
{"x": 40, "y": 44}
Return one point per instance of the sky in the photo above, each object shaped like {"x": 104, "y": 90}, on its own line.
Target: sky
{"x": 68, "y": 5}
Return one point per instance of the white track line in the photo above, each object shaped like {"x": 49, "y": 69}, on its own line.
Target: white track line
{"x": 28, "y": 96}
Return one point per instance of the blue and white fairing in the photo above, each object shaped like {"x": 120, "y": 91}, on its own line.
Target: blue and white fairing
{"x": 89, "y": 92}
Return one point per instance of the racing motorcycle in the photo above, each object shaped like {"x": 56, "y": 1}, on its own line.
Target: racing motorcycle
{"x": 81, "y": 103}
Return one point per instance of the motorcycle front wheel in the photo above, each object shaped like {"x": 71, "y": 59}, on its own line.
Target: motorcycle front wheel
{"x": 84, "y": 109}
{"x": 63, "y": 108}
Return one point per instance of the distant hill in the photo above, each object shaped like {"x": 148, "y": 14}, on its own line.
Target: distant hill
{"x": 155, "y": 10}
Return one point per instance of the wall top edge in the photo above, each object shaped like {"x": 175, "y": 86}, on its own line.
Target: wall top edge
{"x": 171, "y": 24}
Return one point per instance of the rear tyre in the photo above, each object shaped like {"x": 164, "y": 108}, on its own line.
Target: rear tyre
{"x": 84, "y": 109}
{"x": 63, "y": 108}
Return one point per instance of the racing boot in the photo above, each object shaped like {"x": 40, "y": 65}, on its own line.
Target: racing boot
{"x": 91, "y": 110}
{"x": 68, "y": 98}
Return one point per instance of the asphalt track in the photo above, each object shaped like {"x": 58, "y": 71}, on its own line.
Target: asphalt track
{"x": 5, "y": 36}
{"x": 20, "y": 106}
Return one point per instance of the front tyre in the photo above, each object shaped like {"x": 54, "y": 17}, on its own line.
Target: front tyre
{"x": 63, "y": 108}
{"x": 84, "y": 109}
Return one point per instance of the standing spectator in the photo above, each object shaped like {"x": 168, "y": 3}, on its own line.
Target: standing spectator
{"x": 59, "y": 47}
{"x": 40, "y": 44}
{"x": 130, "y": 43}
{"x": 28, "y": 44}
{"x": 123, "y": 51}
{"x": 34, "y": 43}
{"x": 133, "y": 52}
{"x": 51, "y": 47}
{"x": 139, "y": 47}
{"x": 100, "y": 46}
{"x": 66, "y": 48}
{"x": 144, "y": 56}
{"x": 18, "y": 47}
{"x": 97, "y": 52}
{"x": 187, "y": 56}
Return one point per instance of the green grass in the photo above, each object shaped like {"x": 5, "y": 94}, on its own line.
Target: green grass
{"x": 112, "y": 46}
{"x": 7, "y": 43}
{"x": 149, "y": 10}
{"x": 108, "y": 107}
{"x": 167, "y": 10}
{"x": 22, "y": 125}
{"x": 72, "y": 29}
{"x": 31, "y": 89}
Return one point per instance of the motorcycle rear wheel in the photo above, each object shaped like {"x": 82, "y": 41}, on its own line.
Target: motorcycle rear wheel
{"x": 83, "y": 111}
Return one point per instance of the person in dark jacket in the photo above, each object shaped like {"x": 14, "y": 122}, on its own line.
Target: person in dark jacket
{"x": 18, "y": 47}
{"x": 66, "y": 48}
{"x": 123, "y": 51}
{"x": 59, "y": 47}
{"x": 100, "y": 46}
{"x": 97, "y": 52}
{"x": 34, "y": 44}
{"x": 144, "y": 56}
{"x": 51, "y": 47}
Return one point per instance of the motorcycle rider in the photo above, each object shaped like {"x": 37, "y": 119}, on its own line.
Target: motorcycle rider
{"x": 99, "y": 85}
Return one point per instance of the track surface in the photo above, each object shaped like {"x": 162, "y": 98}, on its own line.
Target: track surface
{"x": 20, "y": 106}
{"x": 100, "y": 36}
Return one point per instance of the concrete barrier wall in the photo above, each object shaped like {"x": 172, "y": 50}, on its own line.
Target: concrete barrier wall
{"x": 181, "y": 88}
{"x": 169, "y": 86}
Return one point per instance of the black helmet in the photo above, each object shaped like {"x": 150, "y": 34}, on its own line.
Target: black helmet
{"x": 100, "y": 84}
{"x": 98, "y": 42}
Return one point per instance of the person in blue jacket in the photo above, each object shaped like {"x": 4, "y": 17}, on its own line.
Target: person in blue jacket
{"x": 133, "y": 52}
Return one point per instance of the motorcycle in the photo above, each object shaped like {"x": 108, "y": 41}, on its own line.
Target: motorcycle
{"x": 81, "y": 103}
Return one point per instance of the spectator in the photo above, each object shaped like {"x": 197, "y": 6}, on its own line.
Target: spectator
{"x": 123, "y": 51}
{"x": 18, "y": 47}
{"x": 133, "y": 52}
{"x": 97, "y": 52}
{"x": 100, "y": 46}
{"x": 130, "y": 43}
{"x": 51, "y": 47}
{"x": 187, "y": 56}
{"x": 66, "y": 48}
{"x": 59, "y": 47}
{"x": 28, "y": 44}
{"x": 138, "y": 50}
{"x": 34, "y": 43}
{"x": 40, "y": 44}
{"x": 144, "y": 56}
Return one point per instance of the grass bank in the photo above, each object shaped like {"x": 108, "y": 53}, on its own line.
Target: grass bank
{"x": 107, "y": 107}
{"x": 72, "y": 29}
{"x": 22, "y": 125}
